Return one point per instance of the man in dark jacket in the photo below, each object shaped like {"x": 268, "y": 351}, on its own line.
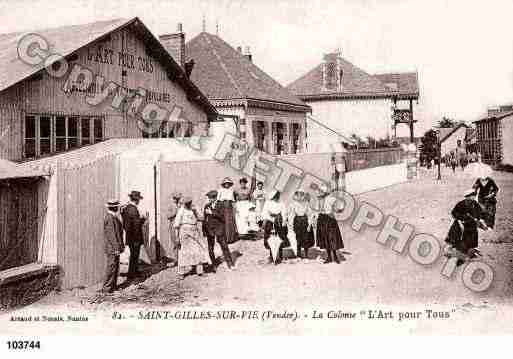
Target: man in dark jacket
{"x": 213, "y": 228}
{"x": 133, "y": 223}
{"x": 113, "y": 237}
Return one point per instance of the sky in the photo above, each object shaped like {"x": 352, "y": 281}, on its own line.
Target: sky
{"x": 462, "y": 50}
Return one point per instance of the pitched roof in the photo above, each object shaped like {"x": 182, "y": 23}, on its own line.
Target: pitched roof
{"x": 405, "y": 84}
{"x": 223, "y": 73}
{"x": 446, "y": 132}
{"x": 496, "y": 116}
{"x": 356, "y": 83}
{"x": 67, "y": 40}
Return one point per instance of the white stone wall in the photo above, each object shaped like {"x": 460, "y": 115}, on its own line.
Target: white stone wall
{"x": 361, "y": 117}
{"x": 374, "y": 178}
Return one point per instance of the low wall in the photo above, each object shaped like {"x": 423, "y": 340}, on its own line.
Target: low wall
{"x": 374, "y": 178}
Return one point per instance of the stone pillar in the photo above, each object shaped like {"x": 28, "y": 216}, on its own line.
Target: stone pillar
{"x": 286, "y": 138}
{"x": 268, "y": 136}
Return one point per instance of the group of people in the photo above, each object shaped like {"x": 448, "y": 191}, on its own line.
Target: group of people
{"x": 231, "y": 213}
{"x": 470, "y": 215}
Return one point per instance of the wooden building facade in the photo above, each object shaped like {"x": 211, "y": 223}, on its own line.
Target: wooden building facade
{"x": 494, "y": 137}
{"x": 117, "y": 74}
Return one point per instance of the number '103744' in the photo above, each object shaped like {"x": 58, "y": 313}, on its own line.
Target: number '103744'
{"x": 23, "y": 344}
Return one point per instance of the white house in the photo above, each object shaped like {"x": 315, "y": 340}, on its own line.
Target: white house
{"x": 449, "y": 138}
{"x": 348, "y": 100}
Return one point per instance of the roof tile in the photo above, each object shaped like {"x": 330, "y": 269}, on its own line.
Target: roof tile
{"x": 222, "y": 72}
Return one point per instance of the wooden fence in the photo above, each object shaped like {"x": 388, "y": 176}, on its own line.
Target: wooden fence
{"x": 369, "y": 158}
{"x": 81, "y": 195}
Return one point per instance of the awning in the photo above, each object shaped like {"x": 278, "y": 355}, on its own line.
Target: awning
{"x": 10, "y": 170}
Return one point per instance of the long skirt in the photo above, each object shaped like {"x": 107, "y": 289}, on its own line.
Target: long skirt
{"x": 304, "y": 237}
{"x": 490, "y": 207}
{"x": 328, "y": 233}
{"x": 463, "y": 240}
{"x": 172, "y": 246}
{"x": 280, "y": 230}
{"x": 193, "y": 247}
{"x": 241, "y": 218}
{"x": 230, "y": 225}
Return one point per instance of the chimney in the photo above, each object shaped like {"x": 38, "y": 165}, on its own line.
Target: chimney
{"x": 175, "y": 44}
{"x": 332, "y": 72}
{"x": 247, "y": 54}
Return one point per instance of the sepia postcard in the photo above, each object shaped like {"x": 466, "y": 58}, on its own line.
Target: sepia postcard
{"x": 243, "y": 167}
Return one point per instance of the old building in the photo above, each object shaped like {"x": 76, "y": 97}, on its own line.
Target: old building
{"x": 494, "y": 137}
{"x": 115, "y": 74}
{"x": 266, "y": 114}
{"x": 449, "y": 138}
{"x": 348, "y": 100}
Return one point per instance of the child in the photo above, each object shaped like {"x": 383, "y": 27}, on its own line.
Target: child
{"x": 253, "y": 220}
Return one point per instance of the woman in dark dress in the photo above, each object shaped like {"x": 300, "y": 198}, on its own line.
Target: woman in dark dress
{"x": 274, "y": 216}
{"x": 328, "y": 231}
{"x": 300, "y": 219}
{"x": 226, "y": 199}
{"x": 487, "y": 198}
{"x": 463, "y": 234}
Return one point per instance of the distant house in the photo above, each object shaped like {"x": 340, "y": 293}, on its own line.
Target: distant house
{"x": 494, "y": 135}
{"x": 265, "y": 113}
{"x": 348, "y": 100}
{"x": 450, "y": 136}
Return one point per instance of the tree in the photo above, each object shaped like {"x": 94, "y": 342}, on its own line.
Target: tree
{"x": 446, "y": 122}
{"x": 428, "y": 146}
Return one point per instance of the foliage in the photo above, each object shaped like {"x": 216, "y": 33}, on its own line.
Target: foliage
{"x": 428, "y": 146}
{"x": 446, "y": 122}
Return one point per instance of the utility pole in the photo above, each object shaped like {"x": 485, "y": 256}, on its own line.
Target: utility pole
{"x": 439, "y": 153}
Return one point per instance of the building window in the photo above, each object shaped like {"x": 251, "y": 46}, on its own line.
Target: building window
{"x": 45, "y": 130}
{"x": 60, "y": 134}
{"x": 30, "y": 136}
{"x": 97, "y": 130}
{"x": 73, "y": 132}
{"x": 85, "y": 131}
{"x": 47, "y": 134}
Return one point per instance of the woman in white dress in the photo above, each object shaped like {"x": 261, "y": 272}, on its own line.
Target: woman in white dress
{"x": 193, "y": 250}
{"x": 274, "y": 215}
{"x": 243, "y": 197}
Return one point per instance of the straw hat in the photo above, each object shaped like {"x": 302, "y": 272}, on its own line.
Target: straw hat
{"x": 227, "y": 180}
{"x": 187, "y": 199}
{"x": 212, "y": 194}
{"x": 112, "y": 203}
{"x": 135, "y": 195}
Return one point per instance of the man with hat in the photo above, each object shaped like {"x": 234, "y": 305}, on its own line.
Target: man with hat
{"x": 133, "y": 223}
{"x": 113, "y": 245}
{"x": 213, "y": 228}
{"x": 176, "y": 203}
